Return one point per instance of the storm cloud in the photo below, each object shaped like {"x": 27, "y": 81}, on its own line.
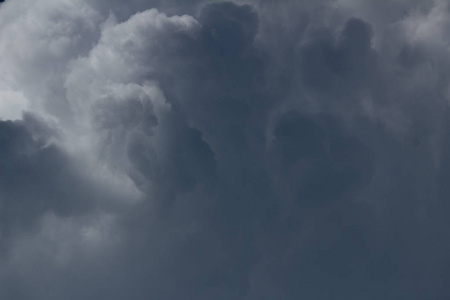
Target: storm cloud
{"x": 177, "y": 150}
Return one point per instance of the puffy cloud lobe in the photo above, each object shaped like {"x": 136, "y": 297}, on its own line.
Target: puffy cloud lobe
{"x": 28, "y": 168}
{"x": 38, "y": 39}
{"x": 340, "y": 67}
{"x": 228, "y": 26}
{"x": 302, "y": 162}
{"x": 39, "y": 177}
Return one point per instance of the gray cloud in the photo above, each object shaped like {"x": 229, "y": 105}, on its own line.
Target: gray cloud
{"x": 224, "y": 150}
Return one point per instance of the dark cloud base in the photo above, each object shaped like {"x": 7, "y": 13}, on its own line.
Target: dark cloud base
{"x": 298, "y": 159}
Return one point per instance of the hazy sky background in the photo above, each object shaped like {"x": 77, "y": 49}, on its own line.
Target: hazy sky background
{"x": 206, "y": 150}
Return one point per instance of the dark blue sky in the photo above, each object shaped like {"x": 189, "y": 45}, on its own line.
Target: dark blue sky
{"x": 248, "y": 150}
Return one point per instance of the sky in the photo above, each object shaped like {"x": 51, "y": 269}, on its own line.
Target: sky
{"x": 237, "y": 150}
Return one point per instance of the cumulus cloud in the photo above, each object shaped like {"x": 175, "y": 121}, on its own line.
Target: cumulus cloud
{"x": 224, "y": 150}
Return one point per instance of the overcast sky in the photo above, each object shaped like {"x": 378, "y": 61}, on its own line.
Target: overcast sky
{"x": 207, "y": 150}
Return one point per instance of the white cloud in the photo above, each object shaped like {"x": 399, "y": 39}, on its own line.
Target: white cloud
{"x": 37, "y": 39}
{"x": 12, "y": 103}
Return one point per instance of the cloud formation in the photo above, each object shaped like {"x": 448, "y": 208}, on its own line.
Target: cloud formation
{"x": 224, "y": 150}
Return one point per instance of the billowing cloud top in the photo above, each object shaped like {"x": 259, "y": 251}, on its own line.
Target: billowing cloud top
{"x": 189, "y": 150}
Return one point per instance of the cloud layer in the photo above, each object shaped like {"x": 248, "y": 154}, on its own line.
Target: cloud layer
{"x": 224, "y": 150}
